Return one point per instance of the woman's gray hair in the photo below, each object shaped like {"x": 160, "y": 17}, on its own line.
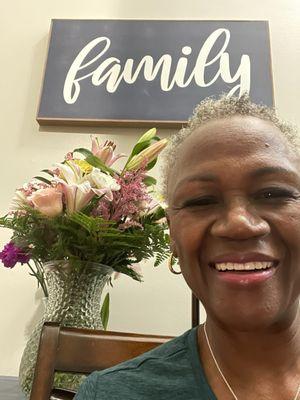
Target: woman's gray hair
{"x": 224, "y": 107}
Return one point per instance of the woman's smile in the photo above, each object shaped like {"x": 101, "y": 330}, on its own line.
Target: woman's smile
{"x": 244, "y": 269}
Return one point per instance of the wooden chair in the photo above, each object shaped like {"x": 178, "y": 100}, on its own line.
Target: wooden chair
{"x": 82, "y": 351}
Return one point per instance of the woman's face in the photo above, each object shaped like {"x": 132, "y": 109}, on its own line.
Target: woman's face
{"x": 234, "y": 216}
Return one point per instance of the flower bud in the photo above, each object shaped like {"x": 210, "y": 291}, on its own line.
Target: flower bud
{"x": 149, "y": 154}
{"x": 147, "y": 135}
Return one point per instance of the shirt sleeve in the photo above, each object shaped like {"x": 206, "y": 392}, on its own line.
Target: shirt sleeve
{"x": 87, "y": 390}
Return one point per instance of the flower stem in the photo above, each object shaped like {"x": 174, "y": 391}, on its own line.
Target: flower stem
{"x": 39, "y": 274}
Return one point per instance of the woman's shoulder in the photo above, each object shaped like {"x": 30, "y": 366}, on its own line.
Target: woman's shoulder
{"x": 165, "y": 353}
{"x": 145, "y": 375}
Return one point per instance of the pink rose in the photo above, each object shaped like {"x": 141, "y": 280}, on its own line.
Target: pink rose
{"x": 47, "y": 201}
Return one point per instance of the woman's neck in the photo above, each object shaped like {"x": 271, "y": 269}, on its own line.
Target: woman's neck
{"x": 267, "y": 357}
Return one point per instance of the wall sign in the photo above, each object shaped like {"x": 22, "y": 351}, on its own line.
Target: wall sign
{"x": 137, "y": 72}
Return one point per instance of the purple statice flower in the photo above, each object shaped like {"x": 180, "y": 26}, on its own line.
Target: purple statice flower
{"x": 28, "y": 188}
{"x": 128, "y": 202}
{"x": 103, "y": 209}
{"x": 12, "y": 254}
{"x": 132, "y": 198}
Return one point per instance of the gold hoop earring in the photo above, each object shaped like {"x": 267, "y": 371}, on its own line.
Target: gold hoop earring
{"x": 170, "y": 265}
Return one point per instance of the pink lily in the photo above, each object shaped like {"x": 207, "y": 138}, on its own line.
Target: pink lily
{"x": 105, "y": 152}
{"x": 76, "y": 188}
{"x": 77, "y": 196}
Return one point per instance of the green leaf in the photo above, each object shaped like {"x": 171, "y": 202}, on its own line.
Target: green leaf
{"x": 40, "y": 178}
{"x": 105, "y": 311}
{"x": 159, "y": 213}
{"x": 149, "y": 180}
{"x": 82, "y": 220}
{"x": 47, "y": 171}
{"x": 91, "y": 205}
{"x": 97, "y": 163}
{"x": 157, "y": 138}
{"x": 84, "y": 152}
{"x": 137, "y": 149}
{"x": 142, "y": 144}
{"x": 151, "y": 164}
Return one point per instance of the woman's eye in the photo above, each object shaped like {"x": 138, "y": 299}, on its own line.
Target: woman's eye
{"x": 200, "y": 202}
{"x": 276, "y": 194}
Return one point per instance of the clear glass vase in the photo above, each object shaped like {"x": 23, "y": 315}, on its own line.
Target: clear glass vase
{"x": 74, "y": 300}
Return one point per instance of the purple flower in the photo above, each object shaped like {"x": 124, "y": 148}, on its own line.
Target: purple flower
{"x": 12, "y": 254}
{"x": 128, "y": 202}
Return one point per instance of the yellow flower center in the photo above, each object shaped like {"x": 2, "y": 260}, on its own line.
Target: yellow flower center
{"x": 83, "y": 165}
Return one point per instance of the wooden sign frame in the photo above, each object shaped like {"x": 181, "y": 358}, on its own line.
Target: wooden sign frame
{"x": 124, "y": 106}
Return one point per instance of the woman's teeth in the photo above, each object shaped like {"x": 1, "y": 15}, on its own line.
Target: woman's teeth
{"x": 249, "y": 266}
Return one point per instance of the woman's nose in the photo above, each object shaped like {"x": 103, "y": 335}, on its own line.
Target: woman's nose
{"x": 239, "y": 222}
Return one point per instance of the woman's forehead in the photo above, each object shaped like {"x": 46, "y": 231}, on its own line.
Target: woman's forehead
{"x": 243, "y": 141}
{"x": 238, "y": 136}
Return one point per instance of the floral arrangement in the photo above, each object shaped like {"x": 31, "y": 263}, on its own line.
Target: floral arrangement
{"x": 85, "y": 210}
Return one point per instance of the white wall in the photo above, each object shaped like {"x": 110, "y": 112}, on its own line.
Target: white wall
{"x": 162, "y": 303}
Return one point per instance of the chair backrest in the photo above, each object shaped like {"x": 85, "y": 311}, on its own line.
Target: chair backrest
{"x": 83, "y": 351}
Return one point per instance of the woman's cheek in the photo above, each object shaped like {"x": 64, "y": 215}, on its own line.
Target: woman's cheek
{"x": 286, "y": 226}
{"x": 187, "y": 233}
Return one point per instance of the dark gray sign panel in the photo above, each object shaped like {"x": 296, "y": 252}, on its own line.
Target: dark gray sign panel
{"x": 136, "y": 72}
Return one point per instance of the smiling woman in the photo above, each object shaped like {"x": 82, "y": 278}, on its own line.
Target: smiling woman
{"x": 232, "y": 182}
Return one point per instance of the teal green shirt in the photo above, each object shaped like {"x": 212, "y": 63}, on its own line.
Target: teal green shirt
{"x": 172, "y": 371}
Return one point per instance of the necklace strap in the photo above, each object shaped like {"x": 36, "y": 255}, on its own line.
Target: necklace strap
{"x": 217, "y": 365}
{"x": 220, "y": 371}
{"x": 297, "y": 394}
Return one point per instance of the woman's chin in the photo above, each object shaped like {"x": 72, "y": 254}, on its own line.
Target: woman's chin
{"x": 246, "y": 323}
{"x": 244, "y": 318}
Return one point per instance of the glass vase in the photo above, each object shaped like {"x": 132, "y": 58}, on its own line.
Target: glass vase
{"x": 74, "y": 301}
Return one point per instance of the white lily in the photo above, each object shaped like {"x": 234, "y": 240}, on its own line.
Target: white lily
{"x": 71, "y": 173}
{"x": 103, "y": 184}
